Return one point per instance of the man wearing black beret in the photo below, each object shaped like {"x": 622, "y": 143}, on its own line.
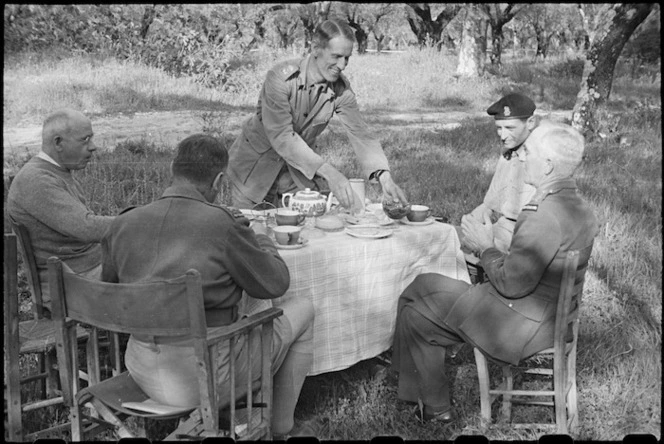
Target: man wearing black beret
{"x": 507, "y": 193}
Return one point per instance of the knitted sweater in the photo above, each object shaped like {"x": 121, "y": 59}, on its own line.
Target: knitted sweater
{"x": 49, "y": 202}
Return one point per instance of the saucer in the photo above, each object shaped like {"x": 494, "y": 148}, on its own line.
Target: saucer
{"x": 368, "y": 231}
{"x": 300, "y": 243}
{"x": 429, "y": 220}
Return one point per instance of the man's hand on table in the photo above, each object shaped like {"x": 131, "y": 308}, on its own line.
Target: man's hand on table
{"x": 478, "y": 235}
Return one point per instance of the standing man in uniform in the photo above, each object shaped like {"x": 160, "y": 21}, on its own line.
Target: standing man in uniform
{"x": 512, "y": 315}
{"x": 276, "y": 152}
{"x": 508, "y": 192}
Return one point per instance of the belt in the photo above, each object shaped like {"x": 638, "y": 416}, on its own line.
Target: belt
{"x": 213, "y": 318}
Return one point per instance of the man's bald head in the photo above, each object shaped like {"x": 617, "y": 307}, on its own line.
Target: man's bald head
{"x": 559, "y": 142}
{"x": 67, "y": 138}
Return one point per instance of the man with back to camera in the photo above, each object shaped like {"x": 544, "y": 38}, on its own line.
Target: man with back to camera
{"x": 512, "y": 315}
{"x": 276, "y": 150}
{"x": 184, "y": 230}
{"x": 507, "y": 192}
{"x": 48, "y": 200}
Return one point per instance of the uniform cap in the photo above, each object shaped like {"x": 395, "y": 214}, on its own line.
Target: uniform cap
{"x": 512, "y": 106}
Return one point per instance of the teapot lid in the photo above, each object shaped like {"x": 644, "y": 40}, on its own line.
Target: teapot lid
{"x": 308, "y": 194}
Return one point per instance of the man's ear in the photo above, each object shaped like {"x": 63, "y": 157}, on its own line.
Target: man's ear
{"x": 57, "y": 140}
{"x": 216, "y": 183}
{"x": 170, "y": 167}
{"x": 549, "y": 166}
{"x": 531, "y": 123}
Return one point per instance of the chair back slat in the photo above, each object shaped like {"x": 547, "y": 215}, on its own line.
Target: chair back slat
{"x": 153, "y": 308}
{"x": 28, "y": 254}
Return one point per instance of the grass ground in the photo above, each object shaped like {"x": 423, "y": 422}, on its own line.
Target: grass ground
{"x": 619, "y": 363}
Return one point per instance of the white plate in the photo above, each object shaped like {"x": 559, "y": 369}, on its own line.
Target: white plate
{"x": 301, "y": 243}
{"x": 427, "y": 221}
{"x": 368, "y": 231}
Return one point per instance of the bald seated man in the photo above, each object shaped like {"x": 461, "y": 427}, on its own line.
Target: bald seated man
{"x": 511, "y": 316}
{"x": 47, "y": 199}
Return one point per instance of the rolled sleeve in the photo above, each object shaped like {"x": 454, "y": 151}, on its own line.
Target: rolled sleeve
{"x": 278, "y": 123}
{"x": 367, "y": 147}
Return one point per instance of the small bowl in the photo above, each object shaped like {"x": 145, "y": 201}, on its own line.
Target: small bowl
{"x": 395, "y": 210}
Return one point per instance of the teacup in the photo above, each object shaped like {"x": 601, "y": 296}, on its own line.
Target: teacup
{"x": 418, "y": 213}
{"x": 287, "y": 234}
{"x": 284, "y": 216}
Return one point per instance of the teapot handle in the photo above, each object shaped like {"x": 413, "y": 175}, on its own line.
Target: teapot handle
{"x": 283, "y": 199}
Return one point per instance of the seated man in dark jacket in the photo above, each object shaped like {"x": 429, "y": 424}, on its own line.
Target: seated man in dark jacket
{"x": 512, "y": 315}
{"x": 184, "y": 230}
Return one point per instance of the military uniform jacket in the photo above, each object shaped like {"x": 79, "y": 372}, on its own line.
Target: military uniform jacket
{"x": 512, "y": 316}
{"x": 181, "y": 231}
{"x": 507, "y": 192}
{"x": 291, "y": 114}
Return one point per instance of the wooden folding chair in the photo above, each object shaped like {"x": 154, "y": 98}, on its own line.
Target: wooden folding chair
{"x": 34, "y": 336}
{"x": 167, "y": 308}
{"x": 561, "y": 360}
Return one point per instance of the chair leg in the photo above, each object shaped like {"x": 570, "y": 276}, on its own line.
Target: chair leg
{"x": 572, "y": 408}
{"x": 508, "y": 384}
{"x": 560, "y": 397}
{"x": 52, "y": 378}
{"x": 76, "y": 422}
{"x": 483, "y": 378}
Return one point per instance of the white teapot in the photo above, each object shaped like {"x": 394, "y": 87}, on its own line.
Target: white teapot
{"x": 307, "y": 202}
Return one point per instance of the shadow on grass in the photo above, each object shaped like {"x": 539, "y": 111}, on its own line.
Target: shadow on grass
{"x": 126, "y": 100}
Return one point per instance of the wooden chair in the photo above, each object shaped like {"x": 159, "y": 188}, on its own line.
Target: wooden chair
{"x": 561, "y": 357}
{"x": 40, "y": 312}
{"x": 34, "y": 336}
{"x": 169, "y": 308}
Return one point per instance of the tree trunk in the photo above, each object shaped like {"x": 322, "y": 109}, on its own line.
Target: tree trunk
{"x": 540, "y": 35}
{"x": 496, "y": 45}
{"x": 614, "y": 28}
{"x": 470, "y": 52}
{"x": 362, "y": 40}
{"x": 148, "y": 18}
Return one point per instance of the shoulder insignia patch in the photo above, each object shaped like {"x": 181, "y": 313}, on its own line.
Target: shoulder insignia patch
{"x": 289, "y": 70}
{"x": 236, "y": 214}
{"x": 530, "y": 207}
{"x": 128, "y": 209}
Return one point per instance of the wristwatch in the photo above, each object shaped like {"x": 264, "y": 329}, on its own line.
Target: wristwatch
{"x": 373, "y": 177}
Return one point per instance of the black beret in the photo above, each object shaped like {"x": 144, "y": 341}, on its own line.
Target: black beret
{"x": 512, "y": 106}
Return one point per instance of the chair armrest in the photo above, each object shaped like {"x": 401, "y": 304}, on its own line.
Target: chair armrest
{"x": 216, "y": 334}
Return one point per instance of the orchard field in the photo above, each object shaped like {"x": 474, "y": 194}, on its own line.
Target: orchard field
{"x": 441, "y": 145}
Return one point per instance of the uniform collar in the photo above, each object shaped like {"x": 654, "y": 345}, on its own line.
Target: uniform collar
{"x": 186, "y": 191}
{"x": 512, "y": 153}
{"x": 556, "y": 185}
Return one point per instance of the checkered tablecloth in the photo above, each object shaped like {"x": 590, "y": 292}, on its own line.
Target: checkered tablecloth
{"x": 355, "y": 283}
